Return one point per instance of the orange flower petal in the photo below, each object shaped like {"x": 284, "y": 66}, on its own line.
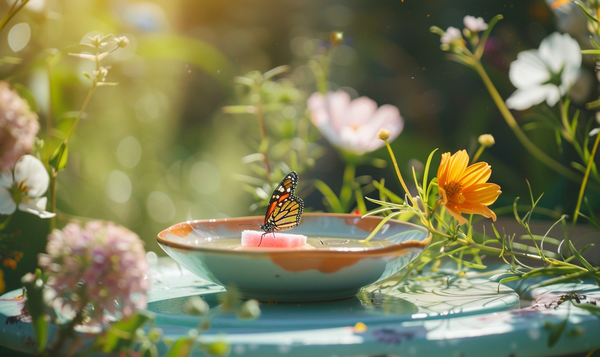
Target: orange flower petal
{"x": 484, "y": 193}
{"x": 476, "y": 173}
{"x": 455, "y": 212}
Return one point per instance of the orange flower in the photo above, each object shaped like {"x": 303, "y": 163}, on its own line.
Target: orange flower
{"x": 465, "y": 189}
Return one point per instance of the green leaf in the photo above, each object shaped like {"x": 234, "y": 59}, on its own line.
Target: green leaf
{"x": 426, "y": 173}
{"x": 182, "y": 347}
{"x": 238, "y": 109}
{"x": 276, "y": 71}
{"x": 587, "y": 14}
{"x": 26, "y": 94}
{"x": 510, "y": 278}
{"x": 467, "y": 263}
{"x": 121, "y": 334}
{"x": 581, "y": 258}
{"x": 58, "y": 160}
{"x": 332, "y": 199}
{"x": 555, "y": 332}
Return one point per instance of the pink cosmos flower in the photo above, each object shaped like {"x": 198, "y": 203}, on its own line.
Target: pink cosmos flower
{"x": 18, "y": 127}
{"x": 352, "y": 125}
{"x": 101, "y": 264}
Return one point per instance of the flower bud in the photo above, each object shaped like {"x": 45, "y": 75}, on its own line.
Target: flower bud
{"x": 196, "y": 306}
{"x": 486, "y": 140}
{"x": 122, "y": 41}
{"x": 249, "y": 310}
{"x": 384, "y": 134}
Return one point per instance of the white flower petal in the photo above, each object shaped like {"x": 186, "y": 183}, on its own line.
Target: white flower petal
{"x": 553, "y": 94}
{"x": 7, "y": 205}
{"x": 528, "y": 70}
{"x": 6, "y": 179}
{"x": 37, "y": 207}
{"x": 337, "y": 105}
{"x": 31, "y": 172}
{"x": 523, "y": 99}
{"x": 360, "y": 111}
{"x": 475, "y": 24}
{"x": 560, "y": 50}
{"x": 452, "y": 34}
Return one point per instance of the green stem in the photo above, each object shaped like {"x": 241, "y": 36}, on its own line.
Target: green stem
{"x": 584, "y": 183}
{"x": 85, "y": 103}
{"x": 55, "y": 173}
{"x": 393, "y": 157}
{"x": 512, "y": 123}
{"x": 64, "y": 334}
{"x": 11, "y": 12}
{"x": 477, "y": 154}
{"x": 517, "y": 254}
{"x": 347, "y": 183}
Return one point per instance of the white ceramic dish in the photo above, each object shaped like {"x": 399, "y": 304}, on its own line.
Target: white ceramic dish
{"x": 338, "y": 267}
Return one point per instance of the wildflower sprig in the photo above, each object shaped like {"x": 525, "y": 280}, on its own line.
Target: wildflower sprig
{"x": 460, "y": 188}
{"x": 102, "y": 46}
{"x": 471, "y": 57}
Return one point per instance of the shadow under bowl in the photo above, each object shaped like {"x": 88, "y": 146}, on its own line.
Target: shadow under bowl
{"x": 337, "y": 267}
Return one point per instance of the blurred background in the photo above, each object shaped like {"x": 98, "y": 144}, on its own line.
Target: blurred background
{"x": 157, "y": 149}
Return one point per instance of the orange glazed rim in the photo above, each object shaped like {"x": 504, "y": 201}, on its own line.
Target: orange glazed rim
{"x": 367, "y": 224}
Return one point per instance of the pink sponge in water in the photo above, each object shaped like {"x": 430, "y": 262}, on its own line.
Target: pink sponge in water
{"x": 272, "y": 240}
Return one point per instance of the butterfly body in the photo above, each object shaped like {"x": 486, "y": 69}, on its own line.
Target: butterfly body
{"x": 284, "y": 210}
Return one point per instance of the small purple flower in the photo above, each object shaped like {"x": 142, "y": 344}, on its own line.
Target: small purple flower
{"x": 18, "y": 127}
{"x": 101, "y": 264}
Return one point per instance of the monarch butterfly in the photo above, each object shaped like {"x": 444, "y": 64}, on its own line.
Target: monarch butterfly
{"x": 284, "y": 210}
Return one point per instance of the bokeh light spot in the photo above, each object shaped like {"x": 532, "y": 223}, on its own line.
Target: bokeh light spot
{"x": 129, "y": 152}
{"x": 118, "y": 187}
{"x": 18, "y": 36}
{"x": 205, "y": 177}
{"x": 160, "y": 207}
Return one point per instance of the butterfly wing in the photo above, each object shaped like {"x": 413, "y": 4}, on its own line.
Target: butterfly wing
{"x": 284, "y": 209}
{"x": 286, "y": 214}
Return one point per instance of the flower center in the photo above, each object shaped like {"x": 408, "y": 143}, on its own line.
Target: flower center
{"x": 452, "y": 189}
{"x": 355, "y": 127}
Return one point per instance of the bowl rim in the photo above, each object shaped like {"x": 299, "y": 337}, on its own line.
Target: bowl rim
{"x": 395, "y": 249}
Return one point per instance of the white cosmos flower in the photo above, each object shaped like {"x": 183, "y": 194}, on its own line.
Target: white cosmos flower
{"x": 546, "y": 73}
{"x": 353, "y": 125}
{"x": 24, "y": 188}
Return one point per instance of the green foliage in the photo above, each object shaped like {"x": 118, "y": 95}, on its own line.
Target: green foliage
{"x": 33, "y": 285}
{"x": 123, "y": 335}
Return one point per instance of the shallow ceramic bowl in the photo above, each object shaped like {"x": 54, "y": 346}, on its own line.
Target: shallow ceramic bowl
{"x": 336, "y": 269}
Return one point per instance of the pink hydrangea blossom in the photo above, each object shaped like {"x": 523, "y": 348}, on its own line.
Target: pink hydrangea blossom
{"x": 352, "y": 125}
{"x": 101, "y": 264}
{"x": 18, "y": 127}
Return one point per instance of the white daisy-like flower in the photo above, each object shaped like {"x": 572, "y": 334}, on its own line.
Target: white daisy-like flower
{"x": 475, "y": 24}
{"x": 546, "y": 73}
{"x": 452, "y": 34}
{"x": 24, "y": 188}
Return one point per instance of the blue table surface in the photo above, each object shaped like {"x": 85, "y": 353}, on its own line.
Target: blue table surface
{"x": 468, "y": 316}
